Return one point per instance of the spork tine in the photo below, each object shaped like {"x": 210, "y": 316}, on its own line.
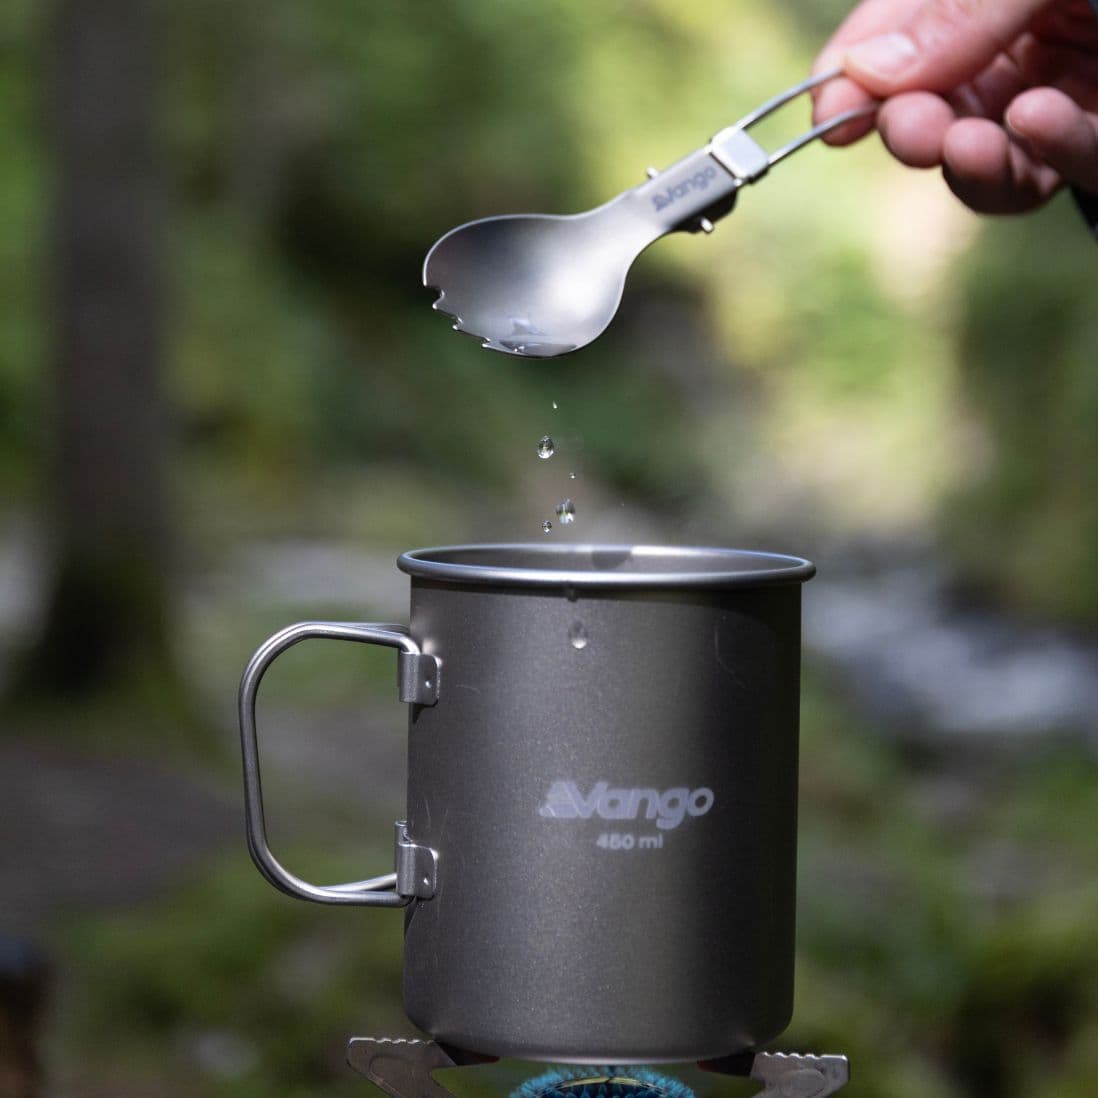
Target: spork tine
{"x": 541, "y": 285}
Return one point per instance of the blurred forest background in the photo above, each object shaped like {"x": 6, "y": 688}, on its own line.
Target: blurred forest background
{"x": 225, "y": 404}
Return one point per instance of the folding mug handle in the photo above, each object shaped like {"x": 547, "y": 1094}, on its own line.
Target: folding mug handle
{"x": 417, "y": 679}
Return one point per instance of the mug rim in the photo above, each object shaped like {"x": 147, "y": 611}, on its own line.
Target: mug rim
{"x": 600, "y": 566}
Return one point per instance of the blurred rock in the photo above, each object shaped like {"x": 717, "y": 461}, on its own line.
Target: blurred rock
{"x": 933, "y": 669}
{"x": 83, "y": 828}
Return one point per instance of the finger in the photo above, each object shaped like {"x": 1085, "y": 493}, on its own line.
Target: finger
{"x": 990, "y": 173}
{"x": 867, "y": 20}
{"x": 1069, "y": 66}
{"x": 944, "y": 43}
{"x": 835, "y": 97}
{"x": 1058, "y": 132}
{"x": 995, "y": 87}
{"x": 989, "y": 93}
{"x": 913, "y": 127}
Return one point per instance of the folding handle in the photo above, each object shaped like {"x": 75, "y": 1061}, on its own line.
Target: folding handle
{"x": 747, "y": 161}
{"x": 418, "y": 678}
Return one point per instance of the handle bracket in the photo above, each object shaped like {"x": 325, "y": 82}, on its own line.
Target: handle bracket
{"x": 416, "y": 866}
{"x": 417, "y": 677}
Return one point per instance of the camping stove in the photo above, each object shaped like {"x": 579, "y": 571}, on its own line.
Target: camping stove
{"x": 404, "y": 1068}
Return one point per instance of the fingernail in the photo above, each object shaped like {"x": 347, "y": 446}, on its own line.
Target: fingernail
{"x": 1018, "y": 123}
{"x": 885, "y": 57}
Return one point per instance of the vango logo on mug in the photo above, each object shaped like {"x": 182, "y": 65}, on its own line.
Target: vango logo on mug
{"x": 668, "y": 808}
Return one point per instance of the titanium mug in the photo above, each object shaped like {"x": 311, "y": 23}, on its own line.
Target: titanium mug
{"x": 598, "y": 859}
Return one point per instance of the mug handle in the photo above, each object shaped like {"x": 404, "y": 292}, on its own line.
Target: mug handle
{"x": 417, "y": 682}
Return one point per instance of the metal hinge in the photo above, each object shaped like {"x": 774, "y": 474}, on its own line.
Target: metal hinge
{"x": 416, "y": 866}
{"x": 417, "y": 677}
{"x": 740, "y": 154}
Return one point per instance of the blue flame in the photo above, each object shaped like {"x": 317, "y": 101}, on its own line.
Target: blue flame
{"x": 575, "y": 1081}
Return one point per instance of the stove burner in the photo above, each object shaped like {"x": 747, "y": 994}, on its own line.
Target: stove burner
{"x": 403, "y": 1068}
{"x": 602, "y": 1082}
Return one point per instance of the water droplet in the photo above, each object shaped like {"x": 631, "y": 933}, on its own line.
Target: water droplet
{"x": 578, "y": 636}
{"x": 546, "y": 526}
{"x": 546, "y": 449}
{"x": 571, "y": 476}
{"x": 566, "y": 512}
{"x": 555, "y": 405}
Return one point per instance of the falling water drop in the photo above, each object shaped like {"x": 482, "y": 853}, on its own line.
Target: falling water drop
{"x": 566, "y": 512}
{"x": 546, "y": 526}
{"x": 555, "y": 405}
{"x": 546, "y": 449}
{"x": 578, "y": 635}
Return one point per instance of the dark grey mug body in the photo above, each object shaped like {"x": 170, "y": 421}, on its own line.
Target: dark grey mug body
{"x": 609, "y": 779}
{"x": 599, "y": 855}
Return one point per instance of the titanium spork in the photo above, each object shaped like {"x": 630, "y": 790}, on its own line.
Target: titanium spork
{"x": 541, "y": 285}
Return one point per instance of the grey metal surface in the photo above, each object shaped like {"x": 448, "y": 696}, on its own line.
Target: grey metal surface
{"x": 402, "y": 1066}
{"x": 603, "y": 566}
{"x": 416, "y": 866}
{"x": 541, "y": 285}
{"x": 376, "y": 891}
{"x": 788, "y": 1075}
{"x": 615, "y": 823}
{"x": 607, "y": 789}
{"x": 418, "y": 678}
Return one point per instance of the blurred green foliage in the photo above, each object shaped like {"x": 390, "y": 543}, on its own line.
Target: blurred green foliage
{"x": 1026, "y": 524}
{"x": 850, "y": 355}
{"x": 226, "y": 980}
{"x": 22, "y": 224}
{"x": 825, "y": 347}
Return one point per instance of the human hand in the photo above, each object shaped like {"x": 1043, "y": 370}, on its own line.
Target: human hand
{"x": 1002, "y": 94}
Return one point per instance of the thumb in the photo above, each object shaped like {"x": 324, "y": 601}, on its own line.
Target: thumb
{"x": 942, "y": 44}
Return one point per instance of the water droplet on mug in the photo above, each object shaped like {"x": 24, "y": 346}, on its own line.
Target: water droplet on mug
{"x": 546, "y": 526}
{"x": 571, "y": 476}
{"x": 578, "y": 636}
{"x": 546, "y": 449}
{"x": 566, "y": 512}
